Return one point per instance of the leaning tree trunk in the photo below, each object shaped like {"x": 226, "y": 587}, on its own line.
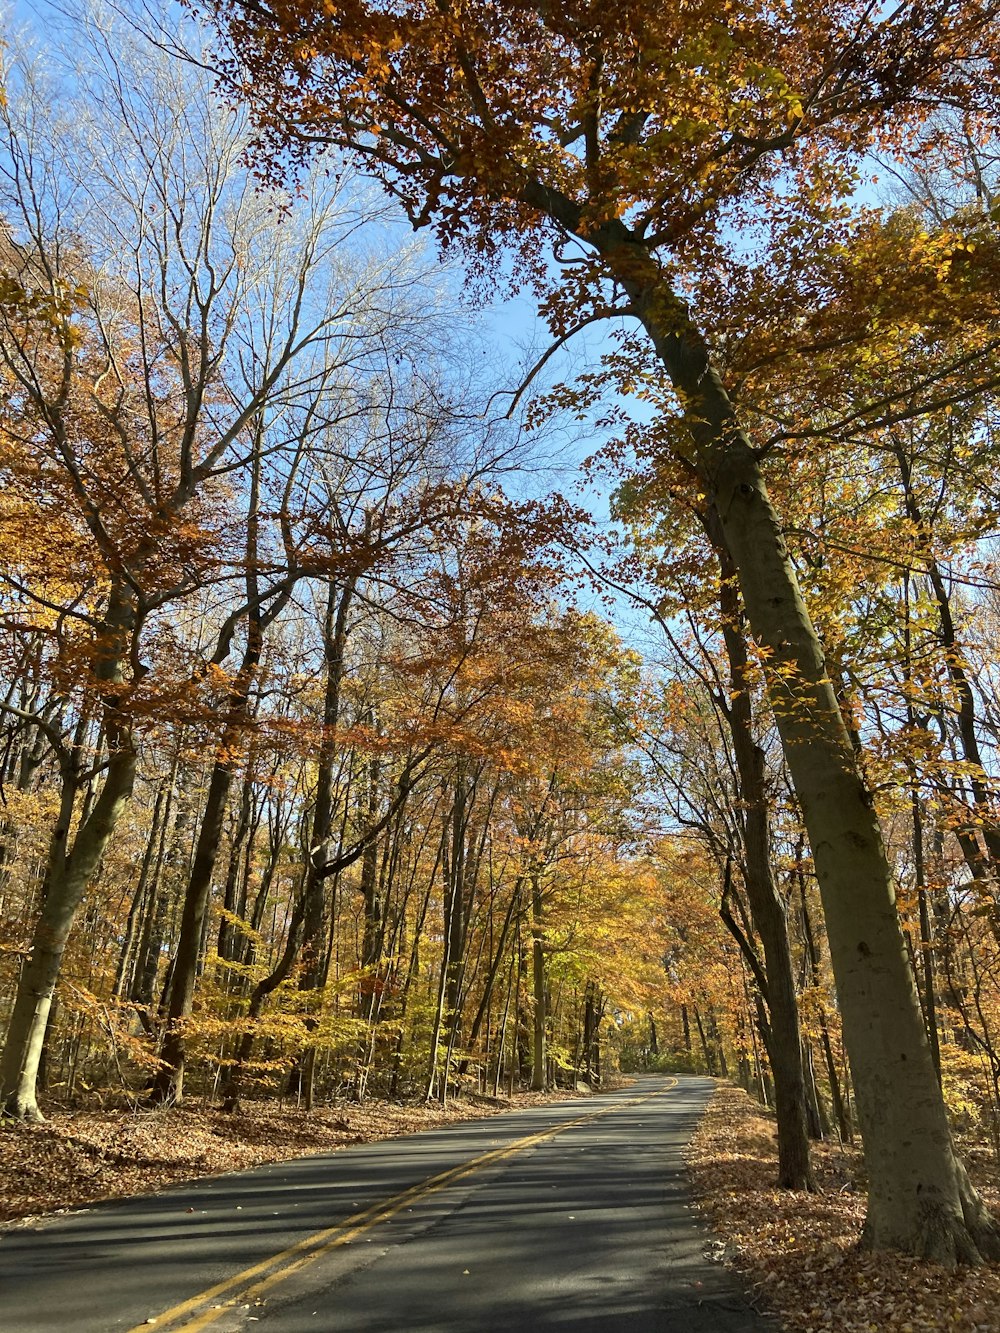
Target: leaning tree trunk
{"x": 920, "y": 1199}
{"x": 499, "y": 954}
{"x": 72, "y": 864}
{"x": 68, "y": 876}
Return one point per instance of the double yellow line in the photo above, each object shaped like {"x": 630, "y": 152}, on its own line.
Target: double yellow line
{"x": 251, "y": 1283}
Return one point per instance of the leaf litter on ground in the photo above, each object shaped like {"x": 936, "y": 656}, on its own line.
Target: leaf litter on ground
{"x": 798, "y": 1253}
{"x": 76, "y": 1158}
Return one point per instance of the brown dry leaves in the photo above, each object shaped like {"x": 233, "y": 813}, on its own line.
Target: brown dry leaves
{"x": 798, "y": 1252}
{"x": 76, "y": 1159}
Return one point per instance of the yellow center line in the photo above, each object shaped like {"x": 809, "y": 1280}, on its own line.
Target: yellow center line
{"x": 288, "y": 1261}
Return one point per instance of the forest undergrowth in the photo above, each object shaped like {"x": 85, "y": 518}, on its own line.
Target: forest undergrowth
{"x": 77, "y": 1158}
{"x": 798, "y": 1253}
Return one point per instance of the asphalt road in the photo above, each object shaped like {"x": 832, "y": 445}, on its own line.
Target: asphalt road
{"x": 571, "y": 1217}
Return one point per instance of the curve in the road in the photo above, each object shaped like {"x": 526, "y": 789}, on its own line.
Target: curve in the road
{"x": 549, "y": 1219}
{"x": 252, "y": 1283}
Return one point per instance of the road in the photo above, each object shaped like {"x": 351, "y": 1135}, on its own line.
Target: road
{"x": 571, "y": 1216}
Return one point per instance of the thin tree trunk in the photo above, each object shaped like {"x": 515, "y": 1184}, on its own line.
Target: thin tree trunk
{"x": 227, "y": 941}
{"x": 437, "y": 1024}
{"x": 705, "y": 1050}
{"x": 539, "y": 1016}
{"x": 142, "y": 898}
{"x": 926, "y": 941}
{"x": 168, "y": 1083}
{"x": 154, "y": 926}
{"x": 812, "y": 952}
{"x": 784, "y": 1045}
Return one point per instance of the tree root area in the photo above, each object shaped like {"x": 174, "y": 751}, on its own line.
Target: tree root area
{"x": 799, "y": 1253}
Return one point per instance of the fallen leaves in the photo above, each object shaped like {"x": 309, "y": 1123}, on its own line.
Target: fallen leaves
{"x": 798, "y": 1252}
{"x": 75, "y": 1159}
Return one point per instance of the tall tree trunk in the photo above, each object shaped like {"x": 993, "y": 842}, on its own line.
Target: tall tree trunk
{"x": 836, "y": 1096}
{"x": 412, "y": 970}
{"x": 467, "y": 857}
{"x": 231, "y": 897}
{"x": 590, "y": 1031}
{"x": 706, "y": 1051}
{"x": 456, "y": 917}
{"x": 168, "y": 1083}
{"x": 145, "y": 890}
{"x": 335, "y": 634}
{"x": 162, "y": 893}
{"x": 716, "y": 1035}
{"x": 539, "y": 1015}
{"x": 926, "y": 940}
{"x": 784, "y": 1045}
{"x": 442, "y": 982}
{"x": 920, "y": 1198}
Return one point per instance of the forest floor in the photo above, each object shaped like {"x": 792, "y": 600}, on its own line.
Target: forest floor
{"x": 76, "y": 1158}
{"x": 798, "y": 1252}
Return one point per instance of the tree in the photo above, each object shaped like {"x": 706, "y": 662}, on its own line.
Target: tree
{"x": 629, "y": 138}
{"x": 729, "y": 805}
{"x": 164, "y": 329}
